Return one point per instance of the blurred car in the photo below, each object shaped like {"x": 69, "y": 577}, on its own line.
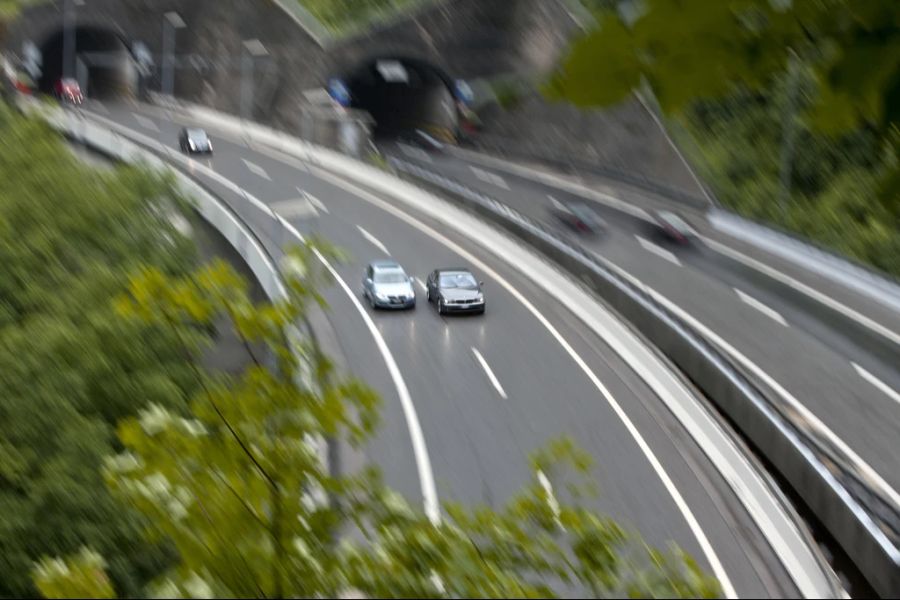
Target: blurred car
{"x": 421, "y": 140}
{"x": 194, "y": 140}
{"x": 386, "y": 285}
{"x": 579, "y": 217}
{"x": 455, "y": 290}
{"x": 68, "y": 90}
{"x": 672, "y": 227}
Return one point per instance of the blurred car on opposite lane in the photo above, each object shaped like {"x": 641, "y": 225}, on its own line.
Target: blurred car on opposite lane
{"x": 194, "y": 140}
{"x": 579, "y": 217}
{"x": 672, "y": 227}
{"x": 386, "y": 285}
{"x": 455, "y": 291}
{"x": 68, "y": 90}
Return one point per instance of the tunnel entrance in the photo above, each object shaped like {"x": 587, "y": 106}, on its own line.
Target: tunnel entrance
{"x": 104, "y": 65}
{"x": 404, "y": 95}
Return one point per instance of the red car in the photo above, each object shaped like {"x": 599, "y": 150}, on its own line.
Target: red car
{"x": 68, "y": 90}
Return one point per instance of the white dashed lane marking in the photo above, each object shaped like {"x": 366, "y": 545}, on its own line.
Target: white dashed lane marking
{"x": 373, "y": 240}
{"x": 256, "y": 169}
{"x": 769, "y": 312}
{"x": 490, "y": 374}
{"x": 658, "y": 250}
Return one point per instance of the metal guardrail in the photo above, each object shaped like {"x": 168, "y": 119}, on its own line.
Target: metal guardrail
{"x": 864, "y": 522}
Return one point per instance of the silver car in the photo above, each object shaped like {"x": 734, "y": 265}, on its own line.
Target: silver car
{"x": 386, "y": 285}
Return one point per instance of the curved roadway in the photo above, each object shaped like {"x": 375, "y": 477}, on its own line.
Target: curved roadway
{"x": 489, "y": 390}
{"x": 833, "y": 351}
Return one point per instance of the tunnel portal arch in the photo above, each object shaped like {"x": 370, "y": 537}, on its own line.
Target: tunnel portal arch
{"x": 404, "y": 94}
{"x": 105, "y": 65}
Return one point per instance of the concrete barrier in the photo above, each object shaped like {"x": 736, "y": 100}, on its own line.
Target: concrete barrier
{"x": 866, "y": 525}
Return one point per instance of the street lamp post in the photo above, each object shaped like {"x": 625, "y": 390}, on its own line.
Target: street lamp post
{"x": 69, "y": 17}
{"x": 172, "y": 21}
{"x": 250, "y": 51}
{"x": 789, "y": 134}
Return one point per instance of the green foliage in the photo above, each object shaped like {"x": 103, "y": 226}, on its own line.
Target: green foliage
{"x": 346, "y": 16}
{"x": 82, "y": 576}
{"x": 70, "y": 369}
{"x": 736, "y": 141}
{"x": 9, "y": 9}
{"x": 240, "y": 490}
{"x": 696, "y": 49}
{"x": 509, "y": 93}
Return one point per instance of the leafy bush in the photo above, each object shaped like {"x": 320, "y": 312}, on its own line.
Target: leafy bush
{"x": 69, "y": 369}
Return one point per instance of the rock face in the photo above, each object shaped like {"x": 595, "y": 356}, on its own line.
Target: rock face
{"x": 621, "y": 143}
{"x": 466, "y": 39}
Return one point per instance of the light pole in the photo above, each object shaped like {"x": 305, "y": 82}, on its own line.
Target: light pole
{"x": 69, "y": 16}
{"x": 250, "y": 51}
{"x": 789, "y": 133}
{"x": 172, "y": 21}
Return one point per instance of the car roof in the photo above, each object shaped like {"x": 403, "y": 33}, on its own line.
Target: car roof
{"x": 455, "y": 270}
{"x": 385, "y": 264}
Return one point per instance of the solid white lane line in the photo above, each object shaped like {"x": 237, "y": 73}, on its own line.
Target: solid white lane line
{"x": 489, "y": 177}
{"x": 769, "y": 312}
{"x": 420, "y": 449}
{"x": 556, "y": 203}
{"x": 551, "y": 497}
{"x": 256, "y": 169}
{"x": 487, "y": 369}
{"x": 373, "y": 240}
{"x": 422, "y": 284}
{"x": 891, "y": 393}
{"x": 657, "y": 250}
{"x": 682, "y": 505}
{"x": 807, "y": 415}
{"x": 145, "y": 122}
{"x": 816, "y": 295}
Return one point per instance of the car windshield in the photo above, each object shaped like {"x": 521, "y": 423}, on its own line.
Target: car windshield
{"x": 464, "y": 281}
{"x": 390, "y": 277}
{"x": 197, "y": 135}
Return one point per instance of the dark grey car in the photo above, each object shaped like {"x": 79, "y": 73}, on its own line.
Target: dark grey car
{"x": 455, "y": 291}
{"x": 194, "y": 141}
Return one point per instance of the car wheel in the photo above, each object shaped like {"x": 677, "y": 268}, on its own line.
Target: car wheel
{"x": 428, "y": 294}
{"x": 440, "y": 306}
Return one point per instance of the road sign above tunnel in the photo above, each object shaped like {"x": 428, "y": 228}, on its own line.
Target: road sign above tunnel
{"x": 392, "y": 71}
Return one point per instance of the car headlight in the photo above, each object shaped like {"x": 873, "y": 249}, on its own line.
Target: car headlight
{"x": 479, "y": 298}
{"x": 381, "y": 296}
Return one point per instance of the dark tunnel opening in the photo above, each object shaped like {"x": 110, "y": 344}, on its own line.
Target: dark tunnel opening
{"x": 404, "y": 95}
{"x": 104, "y": 66}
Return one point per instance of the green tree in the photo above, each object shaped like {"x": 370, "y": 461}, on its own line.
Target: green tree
{"x": 70, "y": 368}
{"x": 690, "y": 49}
{"x": 239, "y": 487}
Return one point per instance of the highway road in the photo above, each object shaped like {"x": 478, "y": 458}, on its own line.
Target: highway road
{"x": 487, "y": 391}
{"x": 842, "y": 367}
